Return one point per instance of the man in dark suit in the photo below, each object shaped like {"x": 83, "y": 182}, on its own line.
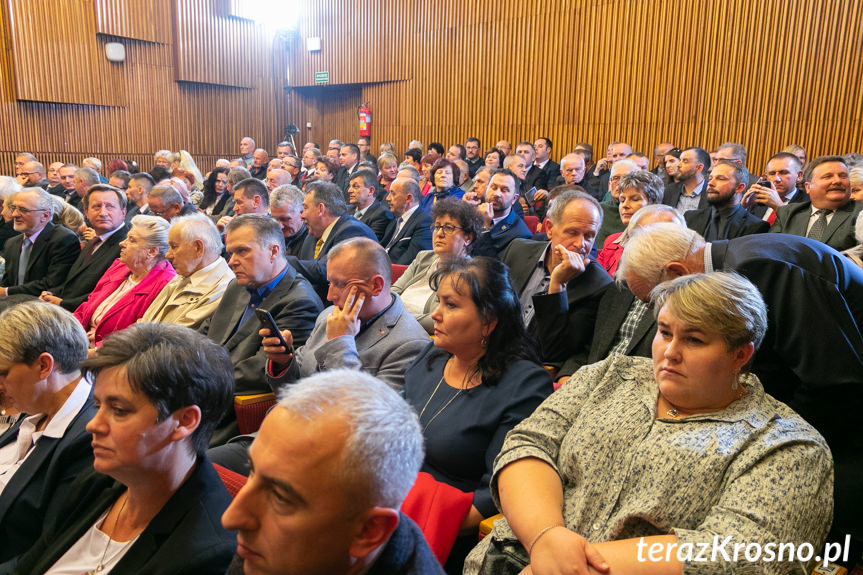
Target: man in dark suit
{"x": 286, "y": 207}
{"x": 689, "y": 191}
{"x": 502, "y": 224}
{"x": 84, "y": 178}
{"x": 558, "y": 285}
{"x": 783, "y": 172}
{"x": 831, "y": 215}
{"x": 263, "y": 279}
{"x": 410, "y": 232}
{"x": 543, "y": 147}
{"x": 724, "y": 218}
{"x": 535, "y": 177}
{"x": 43, "y": 346}
{"x": 365, "y": 208}
{"x": 39, "y": 258}
{"x": 166, "y": 202}
{"x": 349, "y": 159}
{"x": 473, "y": 156}
{"x": 812, "y": 354}
{"x": 325, "y": 213}
{"x": 105, "y": 209}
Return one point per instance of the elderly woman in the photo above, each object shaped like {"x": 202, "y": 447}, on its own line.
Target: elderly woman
{"x": 217, "y": 200}
{"x": 326, "y": 169}
{"x": 456, "y": 226}
{"x": 152, "y": 502}
{"x": 388, "y": 168}
{"x": 856, "y": 177}
{"x": 672, "y": 452}
{"x": 494, "y": 158}
{"x": 637, "y": 190}
{"x": 474, "y": 383}
{"x": 41, "y": 347}
{"x": 445, "y": 175}
{"x": 132, "y": 282}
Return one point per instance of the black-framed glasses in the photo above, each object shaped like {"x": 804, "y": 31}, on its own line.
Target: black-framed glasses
{"x": 448, "y": 229}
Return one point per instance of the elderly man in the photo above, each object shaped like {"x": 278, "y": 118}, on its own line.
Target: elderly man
{"x": 21, "y": 159}
{"x": 812, "y": 355}
{"x": 41, "y": 347}
{"x": 831, "y": 215}
{"x": 105, "y": 208}
{"x": 502, "y": 224}
{"x": 260, "y": 161}
{"x": 365, "y": 208}
{"x": 166, "y": 202}
{"x": 263, "y": 279}
{"x": 558, "y": 285}
{"x": 203, "y": 275}
{"x": 724, "y": 218}
{"x": 343, "y": 449}
{"x": 278, "y": 177}
{"x": 410, "y": 231}
{"x": 95, "y": 164}
{"x": 286, "y": 205}
{"x": 247, "y": 151}
{"x": 325, "y": 214}
{"x": 84, "y": 178}
{"x": 40, "y": 257}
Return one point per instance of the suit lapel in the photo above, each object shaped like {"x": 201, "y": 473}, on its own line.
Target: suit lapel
{"x": 242, "y": 297}
{"x": 98, "y": 258}
{"x": 334, "y": 233}
{"x": 40, "y": 245}
{"x": 838, "y": 219}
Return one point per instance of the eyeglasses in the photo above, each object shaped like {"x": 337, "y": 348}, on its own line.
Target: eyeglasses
{"x": 25, "y": 211}
{"x": 448, "y": 229}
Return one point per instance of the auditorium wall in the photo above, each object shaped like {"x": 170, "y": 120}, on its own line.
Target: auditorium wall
{"x": 195, "y": 77}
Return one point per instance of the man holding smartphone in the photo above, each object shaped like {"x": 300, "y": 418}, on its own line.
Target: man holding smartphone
{"x": 776, "y": 188}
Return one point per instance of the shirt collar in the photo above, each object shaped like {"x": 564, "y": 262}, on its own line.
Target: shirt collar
{"x": 406, "y": 216}
{"x": 107, "y": 235}
{"x": 327, "y": 231}
{"x": 61, "y": 420}
{"x": 708, "y": 258}
{"x": 264, "y": 290}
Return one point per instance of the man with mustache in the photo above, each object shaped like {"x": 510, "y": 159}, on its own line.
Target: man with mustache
{"x": 830, "y": 215}
{"x": 503, "y": 225}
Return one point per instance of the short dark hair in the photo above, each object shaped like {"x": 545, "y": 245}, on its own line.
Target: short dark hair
{"x": 437, "y": 147}
{"x": 465, "y": 214}
{"x": 414, "y": 154}
{"x": 330, "y": 195}
{"x": 462, "y": 153}
{"x": 159, "y": 173}
{"x": 810, "y": 167}
{"x": 174, "y": 367}
{"x": 353, "y": 148}
{"x": 786, "y": 156}
{"x": 472, "y": 139}
{"x": 122, "y": 175}
{"x": 441, "y": 163}
{"x": 252, "y": 187}
{"x": 703, "y": 157}
{"x": 121, "y": 197}
{"x": 368, "y": 176}
{"x": 487, "y": 282}
{"x": 145, "y": 177}
{"x": 547, "y": 142}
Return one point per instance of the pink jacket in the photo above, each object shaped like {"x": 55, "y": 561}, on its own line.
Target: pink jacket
{"x": 132, "y": 305}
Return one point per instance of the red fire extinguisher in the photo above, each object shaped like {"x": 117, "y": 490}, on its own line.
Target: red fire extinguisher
{"x": 365, "y": 116}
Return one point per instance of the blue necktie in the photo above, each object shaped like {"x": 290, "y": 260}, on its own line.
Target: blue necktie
{"x": 26, "y": 248}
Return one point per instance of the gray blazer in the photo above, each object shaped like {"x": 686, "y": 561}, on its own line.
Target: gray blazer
{"x": 416, "y": 273}
{"x": 385, "y": 348}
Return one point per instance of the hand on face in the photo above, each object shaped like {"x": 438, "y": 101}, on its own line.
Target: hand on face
{"x": 566, "y": 266}
{"x": 346, "y": 320}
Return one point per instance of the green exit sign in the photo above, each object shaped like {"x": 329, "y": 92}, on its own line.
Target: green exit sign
{"x": 322, "y": 77}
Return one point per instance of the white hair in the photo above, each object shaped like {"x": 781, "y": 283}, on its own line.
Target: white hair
{"x": 8, "y": 185}
{"x": 651, "y": 248}
{"x": 199, "y": 227}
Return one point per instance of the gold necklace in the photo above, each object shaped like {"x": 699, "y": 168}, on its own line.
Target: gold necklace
{"x": 439, "y": 411}
{"x": 101, "y": 566}
{"x": 674, "y": 412}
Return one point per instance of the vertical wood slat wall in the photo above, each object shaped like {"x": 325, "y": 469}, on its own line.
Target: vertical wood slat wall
{"x": 696, "y": 72}
{"x": 693, "y": 71}
{"x": 207, "y": 118}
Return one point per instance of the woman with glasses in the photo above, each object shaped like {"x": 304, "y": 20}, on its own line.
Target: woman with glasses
{"x": 475, "y": 382}
{"x": 456, "y": 226}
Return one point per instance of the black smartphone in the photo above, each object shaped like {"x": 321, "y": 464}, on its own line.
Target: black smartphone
{"x": 268, "y": 322}
{"x": 763, "y": 182}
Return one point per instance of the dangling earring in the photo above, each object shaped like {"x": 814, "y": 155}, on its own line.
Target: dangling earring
{"x": 736, "y": 383}
{"x": 484, "y": 341}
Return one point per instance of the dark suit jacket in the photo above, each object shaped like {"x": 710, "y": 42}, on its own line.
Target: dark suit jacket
{"x": 292, "y": 303}
{"x": 739, "y": 223}
{"x": 758, "y": 210}
{"x": 563, "y": 323}
{"x": 294, "y": 244}
{"x": 33, "y": 497}
{"x": 812, "y": 354}
{"x": 673, "y": 192}
{"x": 185, "y": 537}
{"x": 53, "y": 253}
{"x": 86, "y": 272}
{"x": 343, "y": 178}
{"x": 495, "y": 241}
{"x": 794, "y": 219}
{"x": 535, "y": 178}
{"x": 414, "y": 237}
{"x": 315, "y": 269}
{"x": 378, "y": 218}
{"x": 552, "y": 172}
{"x": 7, "y": 231}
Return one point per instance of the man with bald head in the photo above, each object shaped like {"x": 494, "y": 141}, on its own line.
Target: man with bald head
{"x": 410, "y": 231}
{"x": 278, "y": 177}
{"x": 32, "y": 175}
{"x": 247, "y": 151}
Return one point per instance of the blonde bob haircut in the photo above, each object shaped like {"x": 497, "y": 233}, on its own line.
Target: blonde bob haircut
{"x": 719, "y": 302}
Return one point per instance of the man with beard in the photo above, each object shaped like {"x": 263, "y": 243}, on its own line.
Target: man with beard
{"x": 688, "y": 192}
{"x": 724, "y": 218}
{"x": 502, "y": 224}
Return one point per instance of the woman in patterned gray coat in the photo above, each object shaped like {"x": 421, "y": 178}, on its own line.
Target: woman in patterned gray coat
{"x": 666, "y": 466}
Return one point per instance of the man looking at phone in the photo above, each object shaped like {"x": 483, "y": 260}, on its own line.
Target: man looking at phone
{"x": 366, "y": 328}
{"x": 777, "y": 188}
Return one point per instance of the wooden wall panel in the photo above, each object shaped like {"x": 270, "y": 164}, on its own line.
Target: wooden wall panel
{"x": 765, "y": 74}
{"x": 213, "y": 48}
{"x": 75, "y": 71}
{"x": 147, "y": 20}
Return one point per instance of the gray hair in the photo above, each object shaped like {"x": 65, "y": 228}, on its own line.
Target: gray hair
{"x": 37, "y": 166}
{"x": 737, "y": 150}
{"x": 43, "y": 199}
{"x": 722, "y": 302}
{"x": 330, "y": 195}
{"x": 289, "y": 196}
{"x": 651, "y": 248}
{"x": 384, "y": 448}
{"x": 645, "y": 182}
{"x": 237, "y": 175}
{"x": 8, "y": 185}
{"x": 414, "y": 173}
{"x": 35, "y": 327}
{"x": 167, "y": 193}
{"x": 88, "y": 176}
{"x": 167, "y": 154}
{"x": 199, "y": 227}
{"x": 415, "y": 144}
{"x": 858, "y": 228}
{"x": 267, "y": 230}
{"x": 95, "y": 162}
{"x": 655, "y": 209}
{"x": 154, "y": 231}
{"x": 558, "y": 205}
{"x": 855, "y": 174}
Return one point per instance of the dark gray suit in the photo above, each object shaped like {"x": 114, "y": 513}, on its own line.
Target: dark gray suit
{"x": 414, "y": 237}
{"x": 377, "y": 217}
{"x": 839, "y": 235}
{"x": 87, "y": 270}
{"x": 51, "y": 256}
